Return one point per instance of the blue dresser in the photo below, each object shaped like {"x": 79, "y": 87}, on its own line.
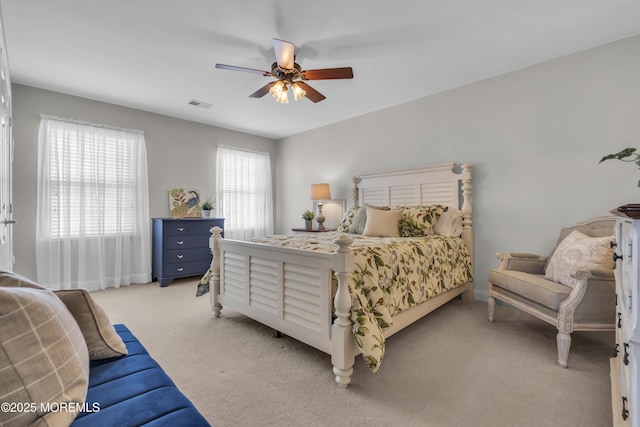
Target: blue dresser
{"x": 181, "y": 247}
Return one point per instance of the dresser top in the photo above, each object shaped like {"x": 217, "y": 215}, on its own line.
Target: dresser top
{"x": 185, "y": 219}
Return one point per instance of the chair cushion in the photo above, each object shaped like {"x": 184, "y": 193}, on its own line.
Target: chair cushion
{"x": 531, "y": 286}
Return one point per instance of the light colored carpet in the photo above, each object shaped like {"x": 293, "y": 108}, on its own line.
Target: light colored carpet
{"x": 452, "y": 368}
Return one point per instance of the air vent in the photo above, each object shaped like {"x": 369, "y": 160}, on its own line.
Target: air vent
{"x": 199, "y": 104}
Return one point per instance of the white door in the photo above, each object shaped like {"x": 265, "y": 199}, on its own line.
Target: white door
{"x": 6, "y": 159}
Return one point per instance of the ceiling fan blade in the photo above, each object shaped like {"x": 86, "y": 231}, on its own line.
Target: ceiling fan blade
{"x": 311, "y": 93}
{"x": 328, "y": 73}
{"x": 284, "y": 53}
{"x": 262, "y": 91}
{"x": 243, "y": 69}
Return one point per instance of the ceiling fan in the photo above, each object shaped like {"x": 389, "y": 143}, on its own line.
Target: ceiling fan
{"x": 289, "y": 75}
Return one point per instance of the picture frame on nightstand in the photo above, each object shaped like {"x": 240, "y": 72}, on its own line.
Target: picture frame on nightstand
{"x": 333, "y": 211}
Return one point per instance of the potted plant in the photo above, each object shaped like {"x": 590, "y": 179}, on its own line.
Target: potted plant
{"x": 308, "y": 218}
{"x": 626, "y": 155}
{"x": 207, "y": 207}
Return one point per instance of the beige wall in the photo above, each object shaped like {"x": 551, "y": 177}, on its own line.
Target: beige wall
{"x": 533, "y": 136}
{"x": 179, "y": 154}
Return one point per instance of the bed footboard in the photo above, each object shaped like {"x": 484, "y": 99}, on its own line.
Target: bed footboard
{"x": 290, "y": 291}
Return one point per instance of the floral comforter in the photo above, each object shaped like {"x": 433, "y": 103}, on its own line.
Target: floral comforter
{"x": 391, "y": 274}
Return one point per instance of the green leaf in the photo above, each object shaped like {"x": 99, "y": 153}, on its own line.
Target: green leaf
{"x": 620, "y": 155}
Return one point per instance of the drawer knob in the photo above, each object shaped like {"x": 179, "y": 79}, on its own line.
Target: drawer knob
{"x": 619, "y": 320}
{"x": 180, "y": 228}
{"x": 616, "y": 350}
{"x": 625, "y": 359}
{"x": 180, "y": 242}
{"x": 625, "y": 411}
{"x": 179, "y": 268}
{"x": 180, "y": 256}
{"x": 616, "y": 257}
{"x": 612, "y": 244}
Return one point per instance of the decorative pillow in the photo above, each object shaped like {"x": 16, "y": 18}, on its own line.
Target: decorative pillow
{"x": 102, "y": 339}
{"x": 579, "y": 252}
{"x": 419, "y": 220}
{"x": 450, "y": 223}
{"x": 43, "y": 356}
{"x": 382, "y": 223}
{"x": 347, "y": 219}
{"x": 360, "y": 220}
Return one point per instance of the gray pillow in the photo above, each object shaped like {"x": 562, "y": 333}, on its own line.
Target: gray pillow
{"x": 103, "y": 341}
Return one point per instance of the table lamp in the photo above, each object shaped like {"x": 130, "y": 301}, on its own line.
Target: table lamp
{"x": 320, "y": 192}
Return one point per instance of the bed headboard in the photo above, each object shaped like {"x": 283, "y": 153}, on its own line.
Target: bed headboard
{"x": 439, "y": 184}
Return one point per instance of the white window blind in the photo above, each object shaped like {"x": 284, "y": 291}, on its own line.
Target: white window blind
{"x": 244, "y": 192}
{"x": 92, "y": 177}
{"x": 93, "y": 206}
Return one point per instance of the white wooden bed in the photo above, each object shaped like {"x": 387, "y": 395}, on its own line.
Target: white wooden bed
{"x": 266, "y": 282}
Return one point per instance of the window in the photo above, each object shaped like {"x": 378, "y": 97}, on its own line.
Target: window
{"x": 244, "y": 195}
{"x": 92, "y": 178}
{"x": 93, "y": 208}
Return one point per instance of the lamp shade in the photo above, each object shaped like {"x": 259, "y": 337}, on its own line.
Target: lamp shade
{"x": 320, "y": 192}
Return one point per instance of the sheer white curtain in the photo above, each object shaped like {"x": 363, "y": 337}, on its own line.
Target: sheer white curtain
{"x": 244, "y": 195}
{"x": 92, "y": 222}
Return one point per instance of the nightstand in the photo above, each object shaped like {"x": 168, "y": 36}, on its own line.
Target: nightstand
{"x": 313, "y": 230}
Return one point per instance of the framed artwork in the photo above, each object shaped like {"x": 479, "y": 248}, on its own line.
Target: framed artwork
{"x": 184, "y": 203}
{"x": 333, "y": 211}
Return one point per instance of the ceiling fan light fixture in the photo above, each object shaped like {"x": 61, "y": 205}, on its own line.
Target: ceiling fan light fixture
{"x": 284, "y": 97}
{"x": 298, "y": 92}
{"x": 276, "y": 89}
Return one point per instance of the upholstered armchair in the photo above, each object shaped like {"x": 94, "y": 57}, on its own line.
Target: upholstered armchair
{"x": 573, "y": 288}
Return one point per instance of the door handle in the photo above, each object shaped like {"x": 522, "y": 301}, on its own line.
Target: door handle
{"x": 9, "y": 221}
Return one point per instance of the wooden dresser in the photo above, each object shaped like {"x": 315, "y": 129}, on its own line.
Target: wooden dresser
{"x": 181, "y": 247}
{"x": 625, "y": 383}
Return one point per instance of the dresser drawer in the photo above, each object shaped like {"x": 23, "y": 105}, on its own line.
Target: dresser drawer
{"x": 187, "y": 227}
{"x": 185, "y": 242}
{"x": 186, "y": 255}
{"x": 184, "y": 269}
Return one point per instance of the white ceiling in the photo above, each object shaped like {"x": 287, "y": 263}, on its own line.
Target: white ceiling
{"x": 157, "y": 55}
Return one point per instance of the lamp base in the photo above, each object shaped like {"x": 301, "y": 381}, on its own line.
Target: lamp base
{"x": 320, "y": 218}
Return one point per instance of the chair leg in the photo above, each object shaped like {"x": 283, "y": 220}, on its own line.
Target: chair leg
{"x": 564, "y": 343}
{"x": 491, "y": 308}
{"x": 491, "y": 302}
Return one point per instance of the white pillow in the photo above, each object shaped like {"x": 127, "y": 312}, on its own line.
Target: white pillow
{"x": 579, "y": 252}
{"x": 450, "y": 223}
{"x": 382, "y": 223}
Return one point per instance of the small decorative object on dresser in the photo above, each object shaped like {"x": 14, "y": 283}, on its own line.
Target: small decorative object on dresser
{"x": 625, "y": 381}
{"x": 181, "y": 247}
{"x": 184, "y": 203}
{"x": 207, "y": 207}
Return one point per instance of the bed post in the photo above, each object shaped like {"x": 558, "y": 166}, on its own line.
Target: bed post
{"x": 355, "y": 193}
{"x": 467, "y": 228}
{"x": 342, "y": 354}
{"x": 214, "y": 282}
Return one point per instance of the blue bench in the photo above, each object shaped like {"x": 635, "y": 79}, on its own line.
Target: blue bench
{"x": 133, "y": 390}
